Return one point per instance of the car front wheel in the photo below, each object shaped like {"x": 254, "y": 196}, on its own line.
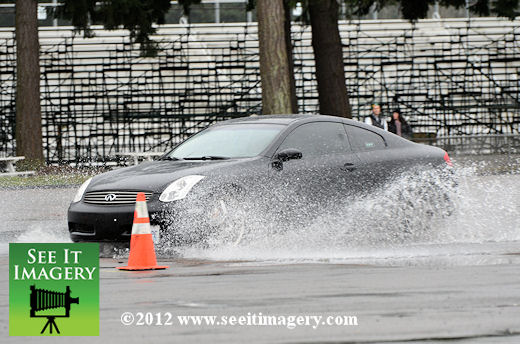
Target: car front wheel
{"x": 225, "y": 216}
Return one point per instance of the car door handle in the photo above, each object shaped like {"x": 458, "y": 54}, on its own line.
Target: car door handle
{"x": 349, "y": 167}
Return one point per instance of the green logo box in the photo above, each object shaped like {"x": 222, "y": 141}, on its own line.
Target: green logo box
{"x": 54, "y": 289}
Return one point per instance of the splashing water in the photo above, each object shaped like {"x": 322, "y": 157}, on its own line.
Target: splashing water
{"x": 418, "y": 214}
{"x": 408, "y": 220}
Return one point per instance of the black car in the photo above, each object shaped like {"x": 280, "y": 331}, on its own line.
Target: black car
{"x": 285, "y": 167}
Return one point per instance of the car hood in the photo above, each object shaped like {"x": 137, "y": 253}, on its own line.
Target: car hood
{"x": 156, "y": 175}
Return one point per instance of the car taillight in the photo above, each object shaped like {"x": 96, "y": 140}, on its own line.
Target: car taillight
{"x": 447, "y": 159}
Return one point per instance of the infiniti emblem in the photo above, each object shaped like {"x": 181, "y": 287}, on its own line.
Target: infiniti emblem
{"x": 110, "y": 197}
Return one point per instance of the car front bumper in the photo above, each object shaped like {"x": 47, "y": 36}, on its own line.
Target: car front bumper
{"x": 89, "y": 222}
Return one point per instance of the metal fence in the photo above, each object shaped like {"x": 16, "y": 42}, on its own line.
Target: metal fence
{"x": 489, "y": 144}
{"x": 99, "y": 96}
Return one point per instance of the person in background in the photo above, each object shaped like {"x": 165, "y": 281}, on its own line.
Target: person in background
{"x": 376, "y": 119}
{"x": 399, "y": 126}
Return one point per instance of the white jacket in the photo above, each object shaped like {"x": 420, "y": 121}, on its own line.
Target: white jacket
{"x": 368, "y": 120}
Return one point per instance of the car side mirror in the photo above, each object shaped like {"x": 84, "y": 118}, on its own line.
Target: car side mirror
{"x": 288, "y": 154}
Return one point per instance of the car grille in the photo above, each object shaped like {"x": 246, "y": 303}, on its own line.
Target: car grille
{"x": 107, "y": 197}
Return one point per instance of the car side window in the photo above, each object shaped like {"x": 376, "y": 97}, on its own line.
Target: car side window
{"x": 319, "y": 138}
{"x": 363, "y": 140}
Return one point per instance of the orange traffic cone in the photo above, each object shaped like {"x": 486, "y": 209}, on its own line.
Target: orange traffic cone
{"x": 142, "y": 252}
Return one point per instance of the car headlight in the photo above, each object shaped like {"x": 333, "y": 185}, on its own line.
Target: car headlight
{"x": 179, "y": 188}
{"x": 81, "y": 191}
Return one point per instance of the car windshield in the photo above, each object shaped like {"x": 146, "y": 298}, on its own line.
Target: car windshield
{"x": 227, "y": 141}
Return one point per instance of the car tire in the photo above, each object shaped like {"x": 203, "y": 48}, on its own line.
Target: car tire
{"x": 226, "y": 217}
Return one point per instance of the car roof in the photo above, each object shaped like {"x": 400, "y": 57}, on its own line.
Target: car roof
{"x": 289, "y": 119}
{"x": 268, "y": 119}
